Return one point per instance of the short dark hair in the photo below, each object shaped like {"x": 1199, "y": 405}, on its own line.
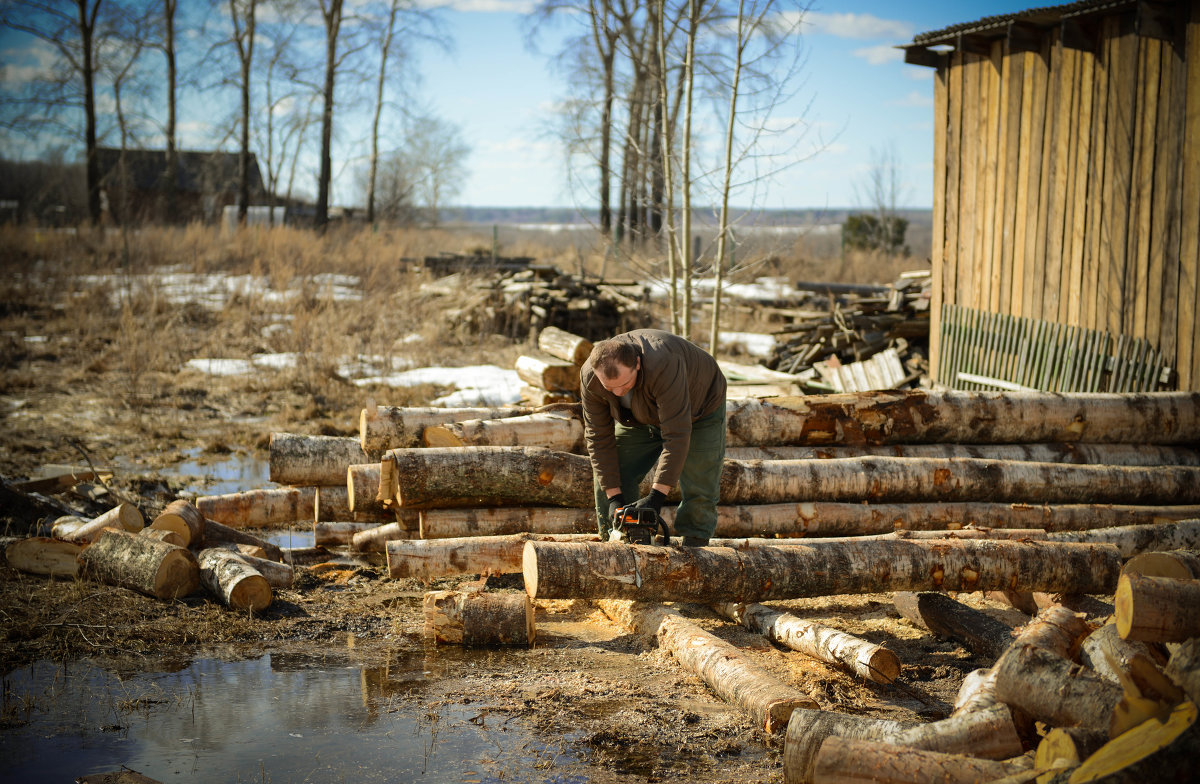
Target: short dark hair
{"x": 608, "y": 354}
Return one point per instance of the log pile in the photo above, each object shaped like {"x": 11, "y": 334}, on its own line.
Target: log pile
{"x": 551, "y": 374}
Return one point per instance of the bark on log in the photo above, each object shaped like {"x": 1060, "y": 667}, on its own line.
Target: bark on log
{"x": 1090, "y": 607}
{"x": 547, "y": 372}
{"x": 1104, "y": 648}
{"x": 1177, "y": 564}
{"x": 332, "y": 504}
{"x": 141, "y": 564}
{"x": 976, "y": 693}
{"x": 234, "y": 581}
{"x": 1056, "y": 629}
{"x": 182, "y": 517}
{"x": 865, "y": 659}
{"x": 896, "y": 417}
{"x": 715, "y": 575}
{"x": 502, "y": 521}
{"x": 374, "y": 540}
{"x": 726, "y": 670}
{"x": 362, "y": 488}
{"x": 277, "y": 575}
{"x": 163, "y": 535}
{"x": 217, "y": 533}
{"x": 490, "y": 476}
{"x": 43, "y": 555}
{"x": 988, "y": 733}
{"x": 1134, "y": 539}
{"x": 427, "y": 559}
{"x": 336, "y": 534}
{"x": 260, "y": 508}
{"x": 979, "y": 632}
{"x": 845, "y": 761}
{"x": 314, "y": 460}
{"x": 395, "y": 427}
{"x": 1081, "y": 454}
{"x": 564, "y": 345}
{"x": 1053, "y": 689}
{"x": 556, "y": 431}
{"x": 478, "y": 618}
{"x": 1184, "y": 668}
{"x": 1157, "y": 609}
{"x": 67, "y": 528}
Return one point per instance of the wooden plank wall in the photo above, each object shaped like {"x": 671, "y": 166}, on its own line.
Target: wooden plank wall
{"x": 1068, "y": 182}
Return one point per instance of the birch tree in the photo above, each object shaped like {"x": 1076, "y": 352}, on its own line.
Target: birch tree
{"x": 242, "y": 16}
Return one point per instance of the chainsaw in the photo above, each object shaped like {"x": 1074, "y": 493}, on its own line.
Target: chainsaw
{"x": 638, "y": 526}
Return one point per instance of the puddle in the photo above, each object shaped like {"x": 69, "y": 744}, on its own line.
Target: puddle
{"x": 295, "y": 537}
{"x": 276, "y": 718}
{"x": 233, "y": 473}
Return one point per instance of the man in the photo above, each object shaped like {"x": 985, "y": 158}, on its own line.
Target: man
{"x": 653, "y": 400}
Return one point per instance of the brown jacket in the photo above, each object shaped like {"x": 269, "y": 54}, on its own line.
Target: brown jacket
{"x": 678, "y": 384}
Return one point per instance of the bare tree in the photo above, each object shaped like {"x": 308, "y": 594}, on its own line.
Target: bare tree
{"x": 331, "y": 14}
{"x": 385, "y": 48}
{"x": 166, "y": 44}
{"x": 242, "y": 14}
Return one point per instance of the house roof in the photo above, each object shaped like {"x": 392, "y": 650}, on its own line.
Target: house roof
{"x": 199, "y": 171}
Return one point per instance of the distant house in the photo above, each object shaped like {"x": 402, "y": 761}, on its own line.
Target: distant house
{"x": 134, "y": 185}
{"x": 1066, "y": 228}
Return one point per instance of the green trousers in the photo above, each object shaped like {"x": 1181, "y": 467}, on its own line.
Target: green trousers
{"x": 638, "y": 449}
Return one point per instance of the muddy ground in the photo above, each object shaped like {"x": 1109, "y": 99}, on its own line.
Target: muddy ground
{"x": 625, "y": 708}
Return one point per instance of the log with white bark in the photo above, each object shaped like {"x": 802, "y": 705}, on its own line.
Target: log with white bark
{"x": 1157, "y": 609}
{"x": 1134, "y": 539}
{"x": 547, "y": 372}
{"x": 729, "y": 672}
{"x": 217, "y": 533}
{"x": 277, "y": 575}
{"x": 397, "y": 427}
{"x": 331, "y": 504}
{"x": 1184, "y": 668}
{"x": 949, "y": 618}
{"x": 1053, "y": 689}
{"x": 260, "y": 508}
{"x": 362, "y": 488}
{"x": 163, "y": 535}
{"x": 1098, "y": 454}
{"x": 479, "y": 618}
{"x": 141, "y": 564}
{"x": 1056, "y": 629}
{"x": 551, "y": 430}
{"x": 988, "y": 733}
{"x": 504, "y": 520}
{"x": 1179, "y": 564}
{"x": 564, "y": 345}
{"x": 1104, "y": 649}
{"x": 1093, "y": 609}
{"x": 427, "y": 559}
{"x": 536, "y": 397}
{"x": 977, "y": 692}
{"x": 124, "y": 517}
{"x": 296, "y": 459}
{"x": 489, "y": 476}
{"x": 336, "y": 534}
{"x": 182, "y": 517}
{"x": 43, "y": 555}
{"x": 241, "y": 549}
{"x": 865, "y": 659}
{"x": 846, "y": 761}
{"x": 714, "y": 575}
{"x": 918, "y": 416}
{"x": 374, "y": 540}
{"x": 234, "y": 581}
{"x": 67, "y": 527}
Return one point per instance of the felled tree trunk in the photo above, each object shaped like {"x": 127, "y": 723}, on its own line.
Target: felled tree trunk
{"x": 479, "y": 618}
{"x": 260, "y": 508}
{"x": 277, "y": 575}
{"x": 988, "y": 733}
{"x": 362, "y": 488}
{"x": 843, "y": 760}
{"x": 141, "y": 564}
{"x": 43, "y": 555}
{"x": 1104, "y": 648}
{"x": 163, "y": 535}
{"x": 374, "y": 540}
{"x": 427, "y": 559}
{"x": 395, "y": 427}
{"x": 1097, "y": 454}
{"x": 217, "y": 533}
{"x": 1055, "y": 629}
{"x": 1092, "y": 608}
{"x": 504, "y": 520}
{"x": 313, "y": 460}
{"x": 1053, "y": 689}
{"x": 489, "y": 476}
{"x": 564, "y": 345}
{"x": 1177, "y": 564}
{"x": 550, "y": 430}
{"x": 896, "y": 417}
{"x": 979, "y": 632}
{"x": 1184, "y": 668}
{"x": 325, "y": 534}
{"x": 865, "y": 659}
{"x": 184, "y": 519}
{"x": 548, "y": 373}
{"x": 1157, "y": 609}
{"x": 331, "y": 504}
{"x": 1134, "y": 539}
{"x": 717, "y": 574}
{"x": 727, "y": 671}
{"x": 234, "y": 581}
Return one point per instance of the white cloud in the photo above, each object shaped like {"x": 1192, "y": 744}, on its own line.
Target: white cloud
{"x": 484, "y": 6}
{"x": 914, "y": 99}
{"x": 36, "y": 60}
{"x": 880, "y": 55}
{"x": 860, "y": 26}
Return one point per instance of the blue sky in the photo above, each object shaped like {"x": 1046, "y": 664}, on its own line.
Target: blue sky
{"x": 858, "y": 99}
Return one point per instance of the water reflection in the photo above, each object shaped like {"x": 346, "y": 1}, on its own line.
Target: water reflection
{"x": 277, "y": 718}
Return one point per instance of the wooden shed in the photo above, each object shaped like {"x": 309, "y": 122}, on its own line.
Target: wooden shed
{"x": 1066, "y": 226}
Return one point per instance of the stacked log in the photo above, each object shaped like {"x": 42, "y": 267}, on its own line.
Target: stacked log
{"x": 551, "y": 374}
{"x": 476, "y": 618}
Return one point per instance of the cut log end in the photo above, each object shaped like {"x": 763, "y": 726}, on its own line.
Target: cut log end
{"x": 881, "y": 665}
{"x": 441, "y": 435}
{"x": 529, "y": 569}
{"x": 176, "y": 576}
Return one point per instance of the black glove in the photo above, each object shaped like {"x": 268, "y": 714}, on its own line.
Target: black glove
{"x": 614, "y": 503}
{"x": 653, "y": 501}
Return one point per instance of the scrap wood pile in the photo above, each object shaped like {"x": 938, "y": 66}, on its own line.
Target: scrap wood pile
{"x": 870, "y": 338}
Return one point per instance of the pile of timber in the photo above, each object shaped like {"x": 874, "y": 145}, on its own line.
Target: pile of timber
{"x": 871, "y": 338}
{"x": 551, "y": 374}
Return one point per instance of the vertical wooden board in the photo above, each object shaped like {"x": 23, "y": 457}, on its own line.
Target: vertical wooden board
{"x": 1187, "y": 353}
{"x": 1161, "y": 321}
{"x": 1036, "y": 263}
{"x": 1137, "y": 275}
{"x": 969, "y": 161}
{"x": 938, "y": 250}
{"x": 1011, "y": 119}
{"x": 1122, "y": 93}
{"x": 1025, "y": 155}
{"x": 1080, "y": 190}
{"x": 954, "y": 107}
{"x": 1058, "y": 115}
{"x": 989, "y": 163}
{"x": 1095, "y": 276}
{"x": 1037, "y": 67}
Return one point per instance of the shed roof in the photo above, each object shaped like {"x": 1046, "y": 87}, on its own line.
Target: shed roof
{"x": 1042, "y": 16}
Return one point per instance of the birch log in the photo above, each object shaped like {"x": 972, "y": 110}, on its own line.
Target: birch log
{"x": 217, "y": 533}
{"x": 427, "y": 559}
{"x": 547, "y": 372}
{"x": 123, "y": 517}
{"x": 479, "y": 618}
{"x": 556, "y": 431}
{"x": 163, "y": 535}
{"x": 845, "y": 761}
{"x": 374, "y": 540}
{"x": 979, "y": 632}
{"x": 362, "y": 488}
{"x": 277, "y": 575}
{"x": 395, "y": 427}
{"x": 490, "y": 476}
{"x": 1103, "y": 649}
{"x": 313, "y": 460}
{"x": 1053, "y": 689}
{"x": 331, "y": 504}
{"x": 1157, "y": 609}
{"x": 1098, "y": 454}
{"x": 988, "y": 733}
{"x": 718, "y": 574}
{"x": 726, "y": 670}
{"x": 1184, "y": 668}
{"x": 564, "y": 345}
{"x": 234, "y": 581}
{"x": 43, "y": 555}
{"x": 896, "y": 417}
{"x": 141, "y": 564}
{"x": 1056, "y": 629}
{"x": 326, "y": 534}
{"x": 865, "y": 659}
{"x": 182, "y": 517}
{"x": 501, "y": 521}
{"x": 1134, "y": 539}
{"x": 1177, "y": 564}
{"x": 260, "y": 508}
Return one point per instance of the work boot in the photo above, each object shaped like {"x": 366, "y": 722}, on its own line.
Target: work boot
{"x": 695, "y": 541}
